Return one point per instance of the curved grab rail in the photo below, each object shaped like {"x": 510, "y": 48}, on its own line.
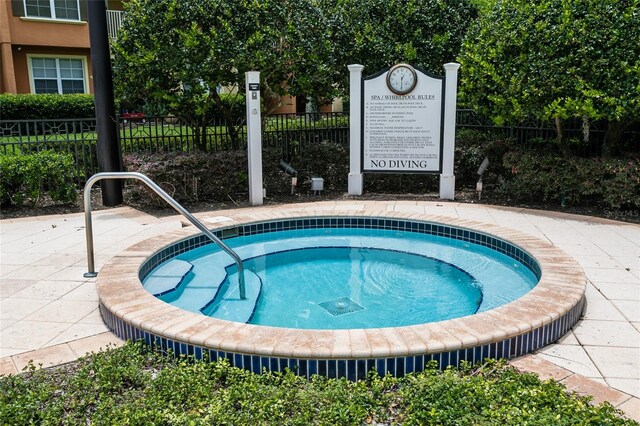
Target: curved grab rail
{"x": 173, "y": 203}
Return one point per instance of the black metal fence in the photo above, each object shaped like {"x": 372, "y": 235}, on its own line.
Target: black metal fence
{"x": 581, "y": 141}
{"x": 77, "y": 137}
{"x": 290, "y": 133}
{"x": 169, "y": 134}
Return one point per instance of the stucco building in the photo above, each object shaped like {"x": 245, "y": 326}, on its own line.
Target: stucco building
{"x": 44, "y": 45}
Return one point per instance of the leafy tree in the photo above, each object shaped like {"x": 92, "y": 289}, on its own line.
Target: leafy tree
{"x": 555, "y": 60}
{"x": 379, "y": 33}
{"x": 175, "y": 54}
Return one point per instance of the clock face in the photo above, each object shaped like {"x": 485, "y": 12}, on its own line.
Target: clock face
{"x": 402, "y": 79}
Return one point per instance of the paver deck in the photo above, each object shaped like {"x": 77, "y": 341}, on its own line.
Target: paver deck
{"x": 48, "y": 310}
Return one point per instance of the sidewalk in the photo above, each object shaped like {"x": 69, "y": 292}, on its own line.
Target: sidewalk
{"x": 48, "y": 311}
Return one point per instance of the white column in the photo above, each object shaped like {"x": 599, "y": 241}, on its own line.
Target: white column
{"x": 355, "y": 129}
{"x": 447, "y": 178}
{"x": 254, "y": 137}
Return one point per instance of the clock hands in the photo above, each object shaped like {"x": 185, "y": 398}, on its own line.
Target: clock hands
{"x": 401, "y": 79}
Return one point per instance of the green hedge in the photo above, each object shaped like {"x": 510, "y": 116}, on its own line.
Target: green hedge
{"x": 33, "y": 107}
{"x": 538, "y": 174}
{"x": 59, "y": 107}
{"x": 609, "y": 183}
{"x": 516, "y": 174}
{"x": 134, "y": 386}
{"x": 24, "y": 178}
{"x": 216, "y": 176}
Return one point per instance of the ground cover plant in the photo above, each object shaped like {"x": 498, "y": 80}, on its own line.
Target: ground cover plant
{"x": 24, "y": 178}
{"x": 134, "y": 385}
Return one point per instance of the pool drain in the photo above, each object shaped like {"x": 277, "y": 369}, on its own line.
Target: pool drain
{"x": 340, "y": 306}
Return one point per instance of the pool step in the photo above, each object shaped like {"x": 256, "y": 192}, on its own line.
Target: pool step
{"x": 228, "y": 305}
{"x": 167, "y": 277}
{"x": 195, "y": 289}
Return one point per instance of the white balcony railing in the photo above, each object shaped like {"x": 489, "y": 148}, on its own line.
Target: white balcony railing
{"x": 114, "y": 22}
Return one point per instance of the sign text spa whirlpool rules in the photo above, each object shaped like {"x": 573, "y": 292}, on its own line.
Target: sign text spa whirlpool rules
{"x": 403, "y": 120}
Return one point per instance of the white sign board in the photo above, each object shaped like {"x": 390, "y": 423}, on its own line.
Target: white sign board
{"x": 402, "y": 133}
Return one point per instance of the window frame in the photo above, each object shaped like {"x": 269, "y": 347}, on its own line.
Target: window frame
{"x": 53, "y": 17}
{"x": 85, "y": 70}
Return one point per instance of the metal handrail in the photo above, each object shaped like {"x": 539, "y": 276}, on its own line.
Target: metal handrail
{"x": 151, "y": 184}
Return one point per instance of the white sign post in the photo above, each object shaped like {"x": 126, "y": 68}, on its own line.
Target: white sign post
{"x": 355, "y": 129}
{"x": 447, "y": 178}
{"x": 254, "y": 137}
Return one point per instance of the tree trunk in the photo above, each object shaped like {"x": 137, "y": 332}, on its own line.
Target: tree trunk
{"x": 586, "y": 129}
{"x": 203, "y": 133}
{"x": 612, "y": 138}
{"x": 560, "y": 138}
{"x": 228, "y": 118}
{"x": 197, "y": 130}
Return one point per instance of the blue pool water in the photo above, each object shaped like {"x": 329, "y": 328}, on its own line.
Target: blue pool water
{"x": 327, "y": 278}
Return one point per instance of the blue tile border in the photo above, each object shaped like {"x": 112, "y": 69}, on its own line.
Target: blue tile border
{"x": 357, "y": 368}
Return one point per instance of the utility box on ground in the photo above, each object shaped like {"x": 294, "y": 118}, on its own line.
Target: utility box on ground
{"x": 317, "y": 184}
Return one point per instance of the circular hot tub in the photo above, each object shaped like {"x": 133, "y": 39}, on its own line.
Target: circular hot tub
{"x": 343, "y": 338}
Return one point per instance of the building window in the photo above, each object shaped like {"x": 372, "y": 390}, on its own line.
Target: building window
{"x": 53, "y": 9}
{"x": 58, "y": 75}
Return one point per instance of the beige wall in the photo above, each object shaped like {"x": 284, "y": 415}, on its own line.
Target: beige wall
{"x": 288, "y": 106}
{"x": 22, "y": 70}
{"x": 7, "y": 78}
{"x": 53, "y": 33}
{"x": 21, "y": 36}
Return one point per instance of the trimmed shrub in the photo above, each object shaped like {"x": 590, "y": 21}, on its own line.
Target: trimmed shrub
{"x": 191, "y": 177}
{"x": 26, "y": 177}
{"x": 328, "y": 160}
{"x": 216, "y": 176}
{"x": 532, "y": 174}
{"x": 609, "y": 183}
{"x": 33, "y": 107}
{"x": 61, "y": 107}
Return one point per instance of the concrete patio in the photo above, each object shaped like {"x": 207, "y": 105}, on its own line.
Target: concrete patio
{"x": 49, "y": 314}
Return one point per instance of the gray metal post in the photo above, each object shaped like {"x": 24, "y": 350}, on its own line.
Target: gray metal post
{"x": 109, "y": 157}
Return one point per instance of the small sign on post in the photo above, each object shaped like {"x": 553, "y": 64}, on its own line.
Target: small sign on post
{"x": 254, "y": 137}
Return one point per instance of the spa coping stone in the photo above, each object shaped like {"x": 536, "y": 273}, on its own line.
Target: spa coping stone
{"x": 134, "y": 306}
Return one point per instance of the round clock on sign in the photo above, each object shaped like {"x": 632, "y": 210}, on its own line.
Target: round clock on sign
{"x": 402, "y": 79}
